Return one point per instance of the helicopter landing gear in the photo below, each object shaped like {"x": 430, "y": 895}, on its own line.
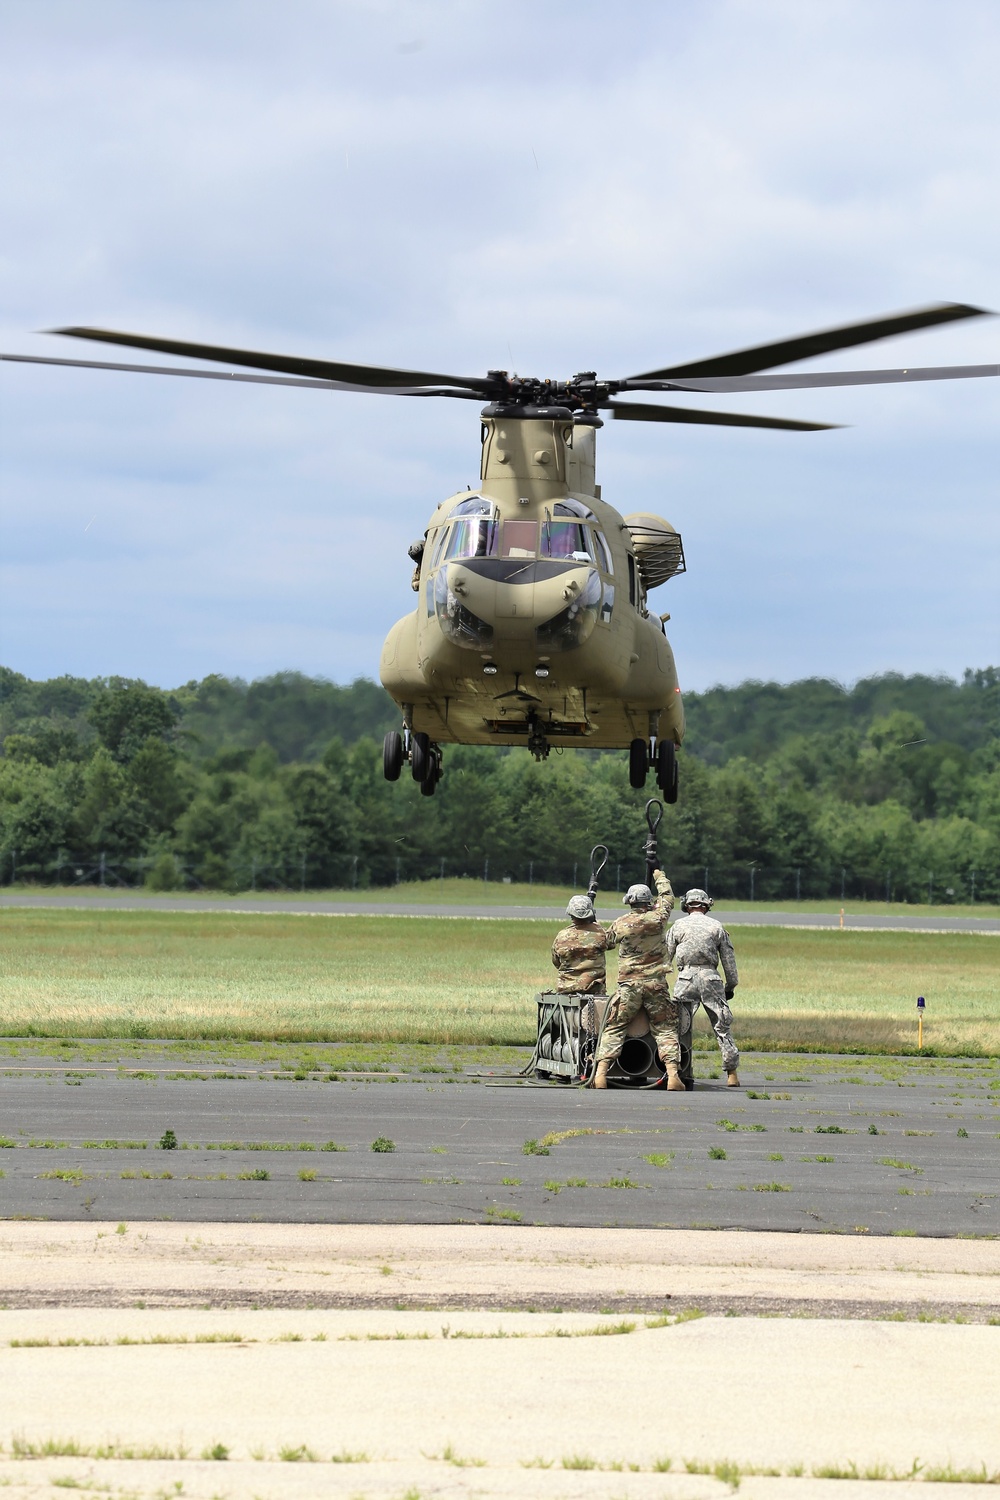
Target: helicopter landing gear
{"x": 392, "y": 755}
{"x": 429, "y": 784}
{"x": 666, "y": 770}
{"x": 638, "y": 763}
{"x": 537, "y": 742}
{"x": 425, "y": 762}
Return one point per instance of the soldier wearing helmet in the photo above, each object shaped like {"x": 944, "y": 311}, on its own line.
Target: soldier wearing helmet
{"x": 642, "y": 979}
{"x": 699, "y": 944}
{"x": 578, "y": 951}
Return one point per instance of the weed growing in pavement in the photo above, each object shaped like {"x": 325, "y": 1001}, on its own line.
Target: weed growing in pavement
{"x": 509, "y": 1215}
{"x": 534, "y": 1148}
{"x": 659, "y": 1158}
{"x": 717, "y": 1153}
{"x": 168, "y": 1141}
{"x": 218, "y": 1451}
{"x": 259, "y": 1174}
{"x": 772, "y": 1187}
{"x": 382, "y": 1145}
{"x": 307, "y": 1174}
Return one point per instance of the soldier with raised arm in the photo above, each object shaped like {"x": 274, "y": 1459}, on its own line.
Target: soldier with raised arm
{"x": 640, "y": 938}
{"x": 699, "y": 943}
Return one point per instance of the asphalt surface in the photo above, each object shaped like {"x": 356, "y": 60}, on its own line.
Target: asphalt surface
{"x": 131, "y": 901}
{"x": 879, "y": 1146}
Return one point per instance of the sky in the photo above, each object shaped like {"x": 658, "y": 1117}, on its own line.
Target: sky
{"x": 452, "y": 185}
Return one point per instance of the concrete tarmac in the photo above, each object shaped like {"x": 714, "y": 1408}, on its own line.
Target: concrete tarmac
{"x": 607, "y": 910}
{"x": 875, "y": 1146}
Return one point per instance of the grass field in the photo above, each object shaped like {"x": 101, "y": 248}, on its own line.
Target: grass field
{"x": 381, "y": 979}
{"x": 465, "y": 892}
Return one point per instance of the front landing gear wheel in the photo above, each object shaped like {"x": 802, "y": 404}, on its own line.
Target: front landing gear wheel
{"x": 392, "y": 755}
{"x": 420, "y": 756}
{"x": 666, "y": 770}
{"x": 638, "y": 764}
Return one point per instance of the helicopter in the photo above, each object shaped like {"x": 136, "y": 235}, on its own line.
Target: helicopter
{"x": 532, "y": 623}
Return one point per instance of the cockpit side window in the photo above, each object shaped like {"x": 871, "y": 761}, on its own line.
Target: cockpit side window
{"x": 603, "y": 552}
{"x": 571, "y": 507}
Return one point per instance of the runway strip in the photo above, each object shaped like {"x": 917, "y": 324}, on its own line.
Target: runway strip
{"x": 406, "y": 1405}
{"x": 262, "y": 906}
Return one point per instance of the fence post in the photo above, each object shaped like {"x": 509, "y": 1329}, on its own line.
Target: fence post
{"x": 930, "y": 888}
{"x": 253, "y": 872}
{"x": 843, "y": 881}
{"x": 705, "y": 886}
{"x": 574, "y": 874}
{"x": 13, "y": 866}
{"x": 303, "y": 885}
{"x": 103, "y": 860}
{"x": 397, "y": 868}
{"x": 531, "y": 872}
{"x": 486, "y": 870}
{"x": 888, "y": 887}
{"x": 973, "y": 901}
{"x": 442, "y": 872}
{"x": 354, "y": 873}
{"x": 752, "y": 873}
{"x": 618, "y": 878}
{"x": 798, "y": 885}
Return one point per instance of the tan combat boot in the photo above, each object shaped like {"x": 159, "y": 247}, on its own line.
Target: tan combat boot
{"x": 733, "y": 1081}
{"x": 601, "y": 1076}
{"x": 674, "y": 1079}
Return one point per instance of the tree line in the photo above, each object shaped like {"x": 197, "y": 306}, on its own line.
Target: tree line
{"x": 890, "y": 790}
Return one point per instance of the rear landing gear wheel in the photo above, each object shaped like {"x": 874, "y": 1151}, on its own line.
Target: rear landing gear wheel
{"x": 666, "y": 770}
{"x": 392, "y": 755}
{"x": 638, "y": 764}
{"x": 429, "y": 784}
{"x": 420, "y": 756}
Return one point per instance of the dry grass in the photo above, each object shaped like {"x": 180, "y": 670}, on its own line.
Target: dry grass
{"x": 380, "y": 979}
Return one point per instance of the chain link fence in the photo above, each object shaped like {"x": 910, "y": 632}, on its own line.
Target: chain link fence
{"x": 364, "y": 870}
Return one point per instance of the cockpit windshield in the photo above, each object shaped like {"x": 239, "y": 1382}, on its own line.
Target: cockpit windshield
{"x": 566, "y": 539}
{"x": 472, "y": 538}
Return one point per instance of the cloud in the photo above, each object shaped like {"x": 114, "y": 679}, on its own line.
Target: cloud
{"x": 572, "y": 188}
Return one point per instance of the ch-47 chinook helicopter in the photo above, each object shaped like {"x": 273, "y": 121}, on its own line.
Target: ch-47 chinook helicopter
{"x": 532, "y": 624}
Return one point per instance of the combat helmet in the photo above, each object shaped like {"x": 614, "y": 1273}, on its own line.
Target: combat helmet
{"x": 697, "y": 898}
{"x": 638, "y": 895}
{"x": 580, "y": 908}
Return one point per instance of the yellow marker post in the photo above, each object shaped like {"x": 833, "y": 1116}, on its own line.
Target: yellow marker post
{"x": 920, "y": 1023}
{"x": 841, "y": 916}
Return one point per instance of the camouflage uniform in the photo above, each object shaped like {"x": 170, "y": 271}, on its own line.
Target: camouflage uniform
{"x": 699, "y": 943}
{"x": 578, "y": 954}
{"x": 642, "y": 977}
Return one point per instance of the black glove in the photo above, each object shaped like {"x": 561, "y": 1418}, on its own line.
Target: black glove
{"x": 649, "y": 849}
{"x": 592, "y": 890}
{"x": 730, "y": 992}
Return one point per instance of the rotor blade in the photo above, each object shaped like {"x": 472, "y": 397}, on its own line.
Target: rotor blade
{"x": 320, "y": 385}
{"x": 718, "y": 383}
{"x": 806, "y": 346}
{"x": 358, "y": 377}
{"x": 636, "y": 411}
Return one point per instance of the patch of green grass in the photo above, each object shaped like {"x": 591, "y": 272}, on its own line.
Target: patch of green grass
{"x": 893, "y": 1161}
{"x": 382, "y": 1145}
{"x": 67, "y": 1174}
{"x": 114, "y": 1145}
{"x": 375, "y": 980}
{"x": 620, "y": 1182}
{"x": 510, "y": 1182}
{"x": 772, "y": 1187}
{"x": 659, "y": 1158}
{"x": 307, "y": 1174}
{"x": 717, "y": 1153}
{"x": 534, "y": 1148}
{"x": 509, "y": 1215}
{"x": 259, "y": 1174}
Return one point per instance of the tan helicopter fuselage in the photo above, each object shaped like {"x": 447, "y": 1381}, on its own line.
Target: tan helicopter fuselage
{"x": 531, "y": 613}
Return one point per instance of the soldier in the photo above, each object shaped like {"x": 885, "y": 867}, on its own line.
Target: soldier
{"x": 699, "y": 943}
{"x": 578, "y": 951}
{"x": 642, "y": 979}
